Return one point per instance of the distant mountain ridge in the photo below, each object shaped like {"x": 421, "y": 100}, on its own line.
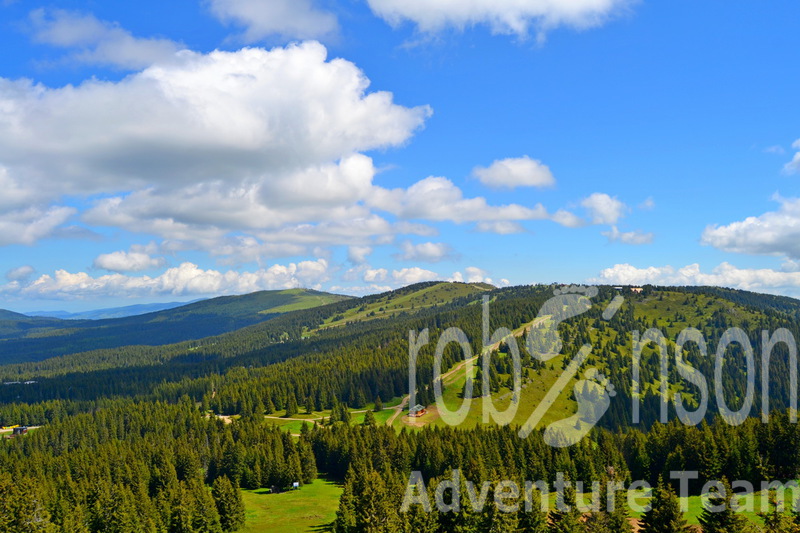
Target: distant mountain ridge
{"x": 110, "y": 312}
{"x": 24, "y": 338}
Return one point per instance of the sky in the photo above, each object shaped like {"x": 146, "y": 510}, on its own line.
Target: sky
{"x": 169, "y": 151}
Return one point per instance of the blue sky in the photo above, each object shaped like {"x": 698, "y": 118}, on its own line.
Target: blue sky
{"x": 161, "y": 152}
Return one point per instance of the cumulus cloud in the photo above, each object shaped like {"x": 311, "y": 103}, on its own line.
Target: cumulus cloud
{"x": 502, "y": 17}
{"x": 628, "y": 237}
{"x": 773, "y": 233}
{"x": 439, "y": 199}
{"x": 724, "y": 275}
{"x": 224, "y": 117}
{"x": 603, "y": 209}
{"x": 375, "y": 274}
{"x": 185, "y": 280}
{"x": 289, "y": 19}
{"x": 473, "y": 275}
{"x": 793, "y": 166}
{"x": 205, "y": 145}
{"x": 515, "y": 172}
{"x": 98, "y": 42}
{"x": 139, "y": 258}
{"x": 409, "y": 276}
{"x": 431, "y": 252}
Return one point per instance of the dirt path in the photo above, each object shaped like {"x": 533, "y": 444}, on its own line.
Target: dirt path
{"x": 398, "y": 410}
{"x": 488, "y": 349}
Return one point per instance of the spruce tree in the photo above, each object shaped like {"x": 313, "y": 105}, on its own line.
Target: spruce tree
{"x": 291, "y": 406}
{"x": 230, "y": 505}
{"x": 776, "y": 520}
{"x": 566, "y": 518}
{"x": 665, "y": 515}
{"x": 531, "y": 517}
{"x": 719, "y": 513}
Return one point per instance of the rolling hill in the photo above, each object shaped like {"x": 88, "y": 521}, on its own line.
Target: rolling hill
{"x": 357, "y": 349}
{"x": 110, "y": 312}
{"x": 24, "y": 338}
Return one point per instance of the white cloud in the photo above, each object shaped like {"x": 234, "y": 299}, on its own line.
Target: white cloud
{"x": 139, "y": 258}
{"x": 473, "y": 275}
{"x": 568, "y": 219}
{"x": 289, "y": 19}
{"x": 502, "y": 17}
{"x": 724, "y": 275}
{"x": 20, "y": 273}
{"x": 515, "y": 172}
{"x": 358, "y": 254}
{"x": 185, "y": 280}
{"x": 26, "y": 226}
{"x": 628, "y": 237}
{"x": 500, "y": 227}
{"x": 773, "y": 233}
{"x": 431, "y": 252}
{"x": 207, "y": 145}
{"x": 360, "y": 290}
{"x": 409, "y": 276}
{"x": 232, "y": 118}
{"x": 436, "y": 198}
{"x": 603, "y": 209}
{"x": 375, "y": 274}
{"x": 793, "y": 166}
{"x": 98, "y": 42}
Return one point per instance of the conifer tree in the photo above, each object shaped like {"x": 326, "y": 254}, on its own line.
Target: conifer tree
{"x": 291, "y": 405}
{"x": 665, "y": 515}
{"x": 775, "y": 518}
{"x": 566, "y": 518}
{"x": 719, "y": 513}
{"x": 230, "y": 505}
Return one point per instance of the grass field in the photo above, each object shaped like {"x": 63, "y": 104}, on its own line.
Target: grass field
{"x": 312, "y": 508}
{"x": 396, "y": 304}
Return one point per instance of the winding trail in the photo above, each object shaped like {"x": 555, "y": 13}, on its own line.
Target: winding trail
{"x": 488, "y": 349}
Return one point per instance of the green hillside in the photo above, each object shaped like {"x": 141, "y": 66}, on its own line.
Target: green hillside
{"x": 325, "y": 389}
{"x": 25, "y": 338}
{"x": 357, "y": 349}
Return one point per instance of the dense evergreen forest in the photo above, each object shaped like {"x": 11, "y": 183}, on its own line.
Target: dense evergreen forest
{"x": 131, "y": 438}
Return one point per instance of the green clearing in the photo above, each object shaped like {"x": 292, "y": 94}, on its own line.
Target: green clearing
{"x": 304, "y": 299}
{"x": 312, "y": 508}
{"x": 393, "y": 305}
{"x": 356, "y": 416}
{"x": 748, "y": 509}
{"x": 533, "y": 392}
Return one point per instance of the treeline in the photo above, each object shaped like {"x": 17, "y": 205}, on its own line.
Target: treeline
{"x": 262, "y": 366}
{"x": 132, "y": 467}
{"x": 376, "y": 463}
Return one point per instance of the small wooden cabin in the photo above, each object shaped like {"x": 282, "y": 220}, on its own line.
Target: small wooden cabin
{"x": 417, "y": 411}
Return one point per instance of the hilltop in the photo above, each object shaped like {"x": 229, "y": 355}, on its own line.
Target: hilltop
{"x": 24, "y": 338}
